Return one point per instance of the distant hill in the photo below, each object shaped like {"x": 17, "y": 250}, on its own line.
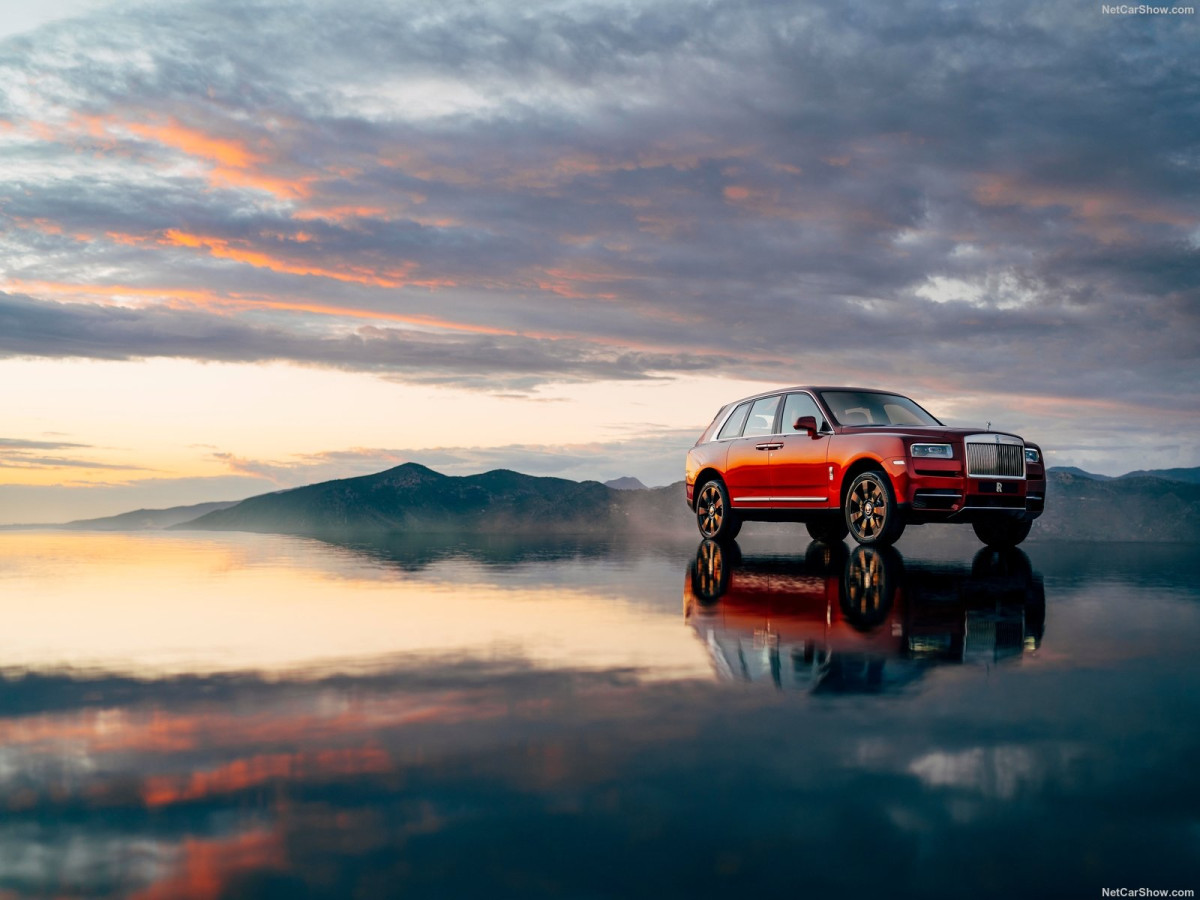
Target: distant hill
{"x": 625, "y": 483}
{"x": 1077, "y": 473}
{"x": 418, "y": 501}
{"x": 415, "y": 499}
{"x": 1191, "y": 476}
{"x": 412, "y": 500}
{"x": 1130, "y": 508}
{"x": 137, "y": 520}
{"x": 146, "y": 519}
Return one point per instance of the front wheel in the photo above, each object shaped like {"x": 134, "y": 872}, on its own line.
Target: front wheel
{"x": 716, "y": 520}
{"x": 1003, "y": 531}
{"x": 872, "y": 515}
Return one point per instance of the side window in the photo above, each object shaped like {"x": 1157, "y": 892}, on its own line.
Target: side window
{"x": 762, "y": 417}
{"x": 733, "y": 425}
{"x": 798, "y": 405}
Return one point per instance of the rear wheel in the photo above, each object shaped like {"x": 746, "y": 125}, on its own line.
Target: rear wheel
{"x": 871, "y": 513}
{"x": 716, "y": 520}
{"x": 1003, "y": 531}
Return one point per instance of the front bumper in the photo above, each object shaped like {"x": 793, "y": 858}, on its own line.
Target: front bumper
{"x": 939, "y": 491}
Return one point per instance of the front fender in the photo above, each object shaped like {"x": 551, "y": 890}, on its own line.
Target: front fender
{"x": 851, "y": 454}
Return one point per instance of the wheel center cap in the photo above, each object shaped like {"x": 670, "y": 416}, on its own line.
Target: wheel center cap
{"x": 869, "y": 509}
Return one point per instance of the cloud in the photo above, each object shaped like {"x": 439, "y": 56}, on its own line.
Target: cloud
{"x": 20, "y": 453}
{"x": 655, "y": 457}
{"x": 37, "y": 328}
{"x": 19, "y": 444}
{"x": 498, "y": 197}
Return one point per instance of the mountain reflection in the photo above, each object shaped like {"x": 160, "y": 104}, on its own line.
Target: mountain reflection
{"x": 858, "y": 621}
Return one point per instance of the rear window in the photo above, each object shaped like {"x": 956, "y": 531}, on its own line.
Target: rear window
{"x": 762, "y": 417}
{"x": 733, "y": 426}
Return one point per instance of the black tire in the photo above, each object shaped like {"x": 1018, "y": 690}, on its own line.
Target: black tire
{"x": 872, "y": 516}
{"x": 714, "y": 516}
{"x": 828, "y": 529}
{"x": 1002, "y": 532}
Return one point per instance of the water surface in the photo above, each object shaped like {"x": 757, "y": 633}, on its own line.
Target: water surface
{"x": 257, "y": 716}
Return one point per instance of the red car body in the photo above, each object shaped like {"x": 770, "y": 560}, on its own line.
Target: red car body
{"x": 859, "y": 461}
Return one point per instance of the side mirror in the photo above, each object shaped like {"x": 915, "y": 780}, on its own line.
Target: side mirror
{"x": 807, "y": 423}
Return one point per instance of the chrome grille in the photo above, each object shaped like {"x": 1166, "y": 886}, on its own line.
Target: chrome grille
{"x": 1004, "y": 460}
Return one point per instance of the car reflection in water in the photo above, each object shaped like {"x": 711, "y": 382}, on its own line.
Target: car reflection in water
{"x": 859, "y": 621}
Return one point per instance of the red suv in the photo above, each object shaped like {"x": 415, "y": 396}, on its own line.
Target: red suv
{"x": 861, "y": 462}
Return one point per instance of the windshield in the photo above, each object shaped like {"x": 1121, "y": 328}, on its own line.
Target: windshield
{"x": 871, "y": 408}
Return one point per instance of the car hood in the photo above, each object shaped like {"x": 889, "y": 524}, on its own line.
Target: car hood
{"x": 926, "y": 432}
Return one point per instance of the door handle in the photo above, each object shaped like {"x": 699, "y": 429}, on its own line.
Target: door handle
{"x": 772, "y": 446}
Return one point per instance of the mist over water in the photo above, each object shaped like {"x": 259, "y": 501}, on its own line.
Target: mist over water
{"x": 225, "y": 715}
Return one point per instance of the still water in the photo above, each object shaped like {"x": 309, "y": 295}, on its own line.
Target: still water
{"x": 204, "y": 716}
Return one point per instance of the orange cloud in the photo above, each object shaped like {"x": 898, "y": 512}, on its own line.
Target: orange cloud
{"x": 112, "y": 294}
{"x": 240, "y": 252}
{"x": 232, "y": 162}
{"x": 222, "y": 151}
{"x": 107, "y": 294}
{"x": 1104, "y": 212}
{"x": 341, "y": 214}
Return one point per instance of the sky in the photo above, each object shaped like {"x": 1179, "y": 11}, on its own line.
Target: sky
{"x": 251, "y": 245}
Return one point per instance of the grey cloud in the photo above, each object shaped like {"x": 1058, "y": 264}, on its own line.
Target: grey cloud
{"x": 20, "y": 444}
{"x": 34, "y": 328}
{"x": 751, "y": 187}
{"x": 23, "y": 453}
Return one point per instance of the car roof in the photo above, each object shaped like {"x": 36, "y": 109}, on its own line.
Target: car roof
{"x": 816, "y": 388}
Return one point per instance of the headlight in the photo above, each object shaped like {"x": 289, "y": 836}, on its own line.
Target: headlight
{"x": 932, "y": 451}
{"x": 1031, "y": 455}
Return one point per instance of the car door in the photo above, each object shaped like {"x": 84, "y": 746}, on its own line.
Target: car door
{"x": 799, "y": 474}
{"x": 748, "y": 465}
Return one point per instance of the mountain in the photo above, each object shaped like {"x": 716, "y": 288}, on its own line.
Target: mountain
{"x": 1132, "y": 508}
{"x": 414, "y": 499}
{"x": 146, "y": 519}
{"x": 137, "y": 520}
{"x": 1077, "y": 472}
{"x": 1191, "y": 476}
{"x": 625, "y": 483}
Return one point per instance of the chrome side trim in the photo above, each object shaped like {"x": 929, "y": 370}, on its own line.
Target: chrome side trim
{"x": 780, "y": 499}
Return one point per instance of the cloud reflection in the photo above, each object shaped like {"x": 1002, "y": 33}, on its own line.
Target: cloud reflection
{"x": 383, "y": 776}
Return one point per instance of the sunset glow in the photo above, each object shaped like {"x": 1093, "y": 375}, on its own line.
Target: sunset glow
{"x": 382, "y": 253}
